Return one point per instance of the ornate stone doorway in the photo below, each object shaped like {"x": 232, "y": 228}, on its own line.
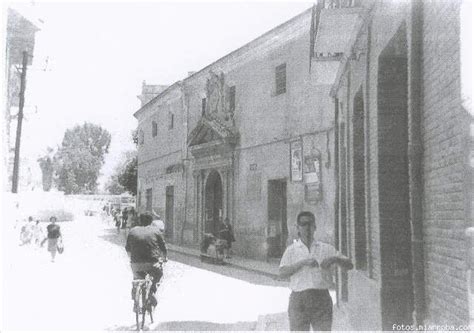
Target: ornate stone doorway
{"x": 212, "y": 143}
{"x": 213, "y": 203}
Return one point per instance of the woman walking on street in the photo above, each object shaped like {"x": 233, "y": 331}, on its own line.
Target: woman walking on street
{"x": 53, "y": 237}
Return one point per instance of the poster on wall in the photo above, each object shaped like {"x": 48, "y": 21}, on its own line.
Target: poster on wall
{"x": 296, "y": 161}
{"x": 312, "y": 177}
{"x": 312, "y": 169}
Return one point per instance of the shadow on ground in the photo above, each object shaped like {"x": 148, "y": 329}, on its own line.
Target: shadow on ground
{"x": 228, "y": 270}
{"x": 193, "y": 326}
{"x": 111, "y": 235}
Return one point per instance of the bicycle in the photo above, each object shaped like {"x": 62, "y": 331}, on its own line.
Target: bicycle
{"x": 141, "y": 293}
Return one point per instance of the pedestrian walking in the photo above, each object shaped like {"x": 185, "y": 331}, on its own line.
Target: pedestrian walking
{"x": 26, "y": 233}
{"x": 227, "y": 233}
{"x": 38, "y": 233}
{"x": 53, "y": 237}
{"x": 124, "y": 217}
{"x": 118, "y": 219}
{"x": 131, "y": 217}
{"x": 307, "y": 263}
{"x": 106, "y": 209}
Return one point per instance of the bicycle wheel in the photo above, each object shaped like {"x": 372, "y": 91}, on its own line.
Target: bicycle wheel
{"x": 137, "y": 320}
{"x": 149, "y": 305}
{"x": 144, "y": 304}
{"x": 137, "y": 304}
{"x": 150, "y": 311}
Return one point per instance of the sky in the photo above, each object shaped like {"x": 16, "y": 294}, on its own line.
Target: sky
{"x": 90, "y": 59}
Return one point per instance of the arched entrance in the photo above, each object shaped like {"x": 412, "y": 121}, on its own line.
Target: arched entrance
{"x": 213, "y": 203}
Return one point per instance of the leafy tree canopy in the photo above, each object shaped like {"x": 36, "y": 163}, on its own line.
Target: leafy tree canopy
{"x": 128, "y": 177}
{"x": 80, "y": 158}
{"x": 113, "y": 187}
{"x": 124, "y": 177}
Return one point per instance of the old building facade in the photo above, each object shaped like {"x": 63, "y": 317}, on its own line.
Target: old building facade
{"x": 250, "y": 138}
{"x": 352, "y": 110}
{"x": 403, "y": 175}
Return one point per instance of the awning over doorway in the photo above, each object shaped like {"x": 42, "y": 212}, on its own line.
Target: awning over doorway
{"x": 336, "y": 33}
{"x": 337, "y": 30}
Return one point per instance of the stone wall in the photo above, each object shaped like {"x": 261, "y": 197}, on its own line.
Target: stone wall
{"x": 266, "y": 123}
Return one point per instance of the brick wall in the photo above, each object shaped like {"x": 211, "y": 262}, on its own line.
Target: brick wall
{"x": 365, "y": 289}
{"x": 445, "y": 136}
{"x": 444, "y": 132}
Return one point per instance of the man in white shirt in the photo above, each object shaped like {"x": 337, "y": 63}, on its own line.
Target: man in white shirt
{"x": 307, "y": 263}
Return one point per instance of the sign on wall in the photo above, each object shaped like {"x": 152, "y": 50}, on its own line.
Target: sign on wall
{"x": 296, "y": 161}
{"x": 312, "y": 177}
{"x": 312, "y": 169}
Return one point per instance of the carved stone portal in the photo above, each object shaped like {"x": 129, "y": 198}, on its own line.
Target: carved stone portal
{"x": 217, "y": 98}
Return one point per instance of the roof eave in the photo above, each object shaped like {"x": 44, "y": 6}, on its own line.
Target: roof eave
{"x": 177, "y": 84}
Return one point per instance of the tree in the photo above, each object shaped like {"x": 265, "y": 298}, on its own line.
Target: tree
{"x": 47, "y": 169}
{"x": 113, "y": 186}
{"x": 80, "y": 158}
{"x": 128, "y": 177}
{"x": 124, "y": 177}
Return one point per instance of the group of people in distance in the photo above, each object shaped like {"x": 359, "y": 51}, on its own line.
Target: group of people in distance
{"x": 32, "y": 233}
{"x": 125, "y": 218}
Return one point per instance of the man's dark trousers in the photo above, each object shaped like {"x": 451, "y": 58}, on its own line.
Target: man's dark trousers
{"x": 311, "y": 307}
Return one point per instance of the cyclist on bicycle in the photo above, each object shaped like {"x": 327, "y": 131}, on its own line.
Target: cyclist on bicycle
{"x": 147, "y": 251}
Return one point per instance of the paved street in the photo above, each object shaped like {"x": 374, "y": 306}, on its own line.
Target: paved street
{"x": 88, "y": 288}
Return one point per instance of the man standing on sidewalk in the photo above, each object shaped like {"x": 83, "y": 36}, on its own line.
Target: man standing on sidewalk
{"x": 307, "y": 263}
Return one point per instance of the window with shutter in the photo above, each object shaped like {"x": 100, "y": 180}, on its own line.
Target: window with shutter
{"x": 232, "y": 99}
{"x": 170, "y": 121}
{"x": 203, "y": 106}
{"x": 280, "y": 79}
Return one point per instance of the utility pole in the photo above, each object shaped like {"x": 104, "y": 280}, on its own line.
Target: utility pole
{"x": 16, "y": 163}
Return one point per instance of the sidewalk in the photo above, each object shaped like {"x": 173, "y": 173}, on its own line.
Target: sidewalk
{"x": 269, "y": 269}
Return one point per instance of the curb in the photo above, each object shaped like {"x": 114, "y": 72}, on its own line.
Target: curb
{"x": 242, "y": 267}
